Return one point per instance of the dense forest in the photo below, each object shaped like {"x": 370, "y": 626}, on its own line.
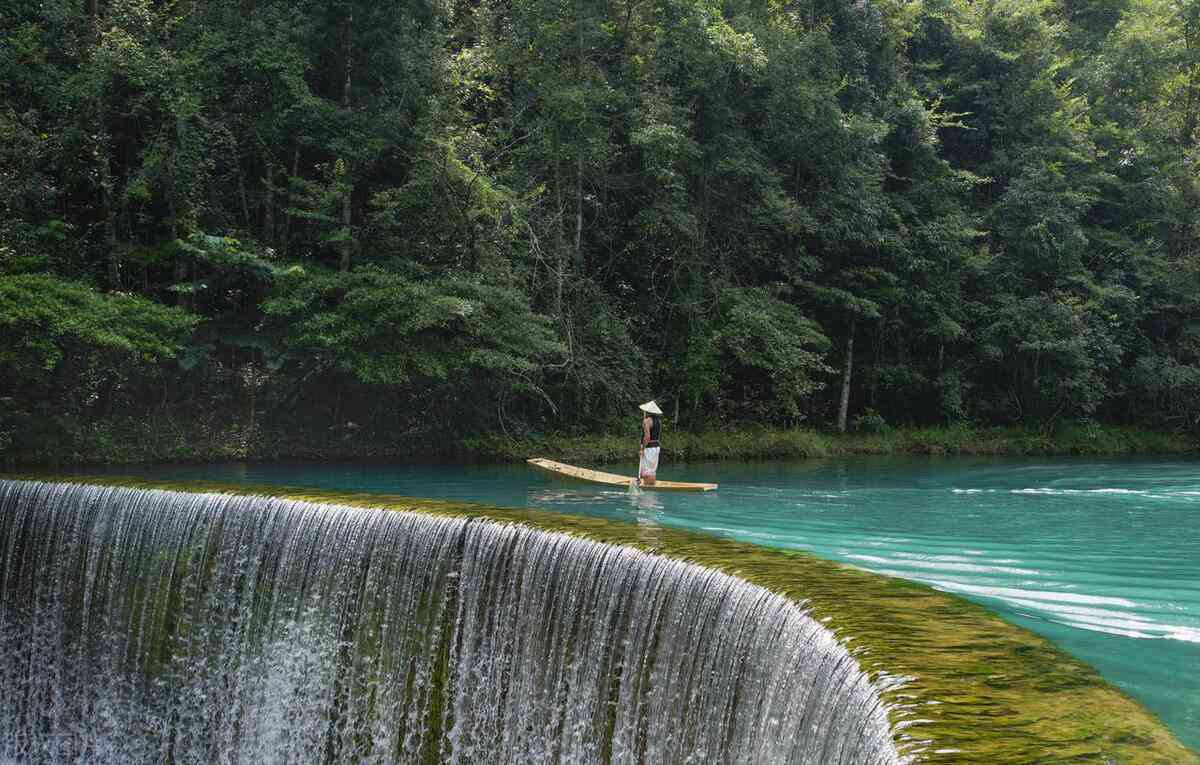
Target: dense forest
{"x": 347, "y": 219}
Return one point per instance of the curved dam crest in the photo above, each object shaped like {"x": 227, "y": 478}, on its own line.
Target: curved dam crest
{"x": 143, "y": 625}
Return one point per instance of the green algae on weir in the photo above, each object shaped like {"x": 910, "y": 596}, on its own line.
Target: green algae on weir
{"x": 978, "y": 689}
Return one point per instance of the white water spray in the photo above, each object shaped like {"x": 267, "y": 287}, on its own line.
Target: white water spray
{"x": 150, "y": 626}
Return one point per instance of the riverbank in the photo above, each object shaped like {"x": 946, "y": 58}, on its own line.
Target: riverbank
{"x": 168, "y": 440}
{"x": 772, "y": 444}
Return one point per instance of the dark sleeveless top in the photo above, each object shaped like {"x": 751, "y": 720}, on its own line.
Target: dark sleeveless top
{"x": 655, "y": 430}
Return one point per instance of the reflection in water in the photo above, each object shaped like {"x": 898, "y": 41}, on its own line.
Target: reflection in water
{"x": 645, "y": 514}
{"x": 644, "y": 502}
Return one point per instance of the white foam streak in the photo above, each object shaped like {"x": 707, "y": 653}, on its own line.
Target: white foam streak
{"x": 941, "y": 565}
{"x": 1042, "y": 596}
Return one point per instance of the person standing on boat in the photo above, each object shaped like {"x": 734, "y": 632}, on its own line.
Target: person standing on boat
{"x": 648, "y": 455}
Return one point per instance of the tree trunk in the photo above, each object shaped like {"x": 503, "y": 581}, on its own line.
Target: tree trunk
{"x": 241, "y": 182}
{"x": 337, "y": 405}
{"x": 344, "y": 265}
{"x": 560, "y": 265}
{"x": 179, "y": 277}
{"x": 268, "y": 229}
{"x": 578, "y": 253}
{"x": 106, "y": 182}
{"x": 287, "y": 221}
{"x": 114, "y": 258}
{"x": 880, "y": 337}
{"x": 844, "y": 407}
{"x": 110, "y": 233}
{"x": 579, "y": 213}
{"x": 180, "y": 270}
{"x": 253, "y": 396}
{"x": 349, "y": 57}
{"x": 1191, "y": 38}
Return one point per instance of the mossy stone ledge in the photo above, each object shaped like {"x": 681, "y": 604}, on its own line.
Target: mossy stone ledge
{"x": 975, "y": 689}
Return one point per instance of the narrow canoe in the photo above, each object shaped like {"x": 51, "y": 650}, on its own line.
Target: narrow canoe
{"x": 595, "y": 476}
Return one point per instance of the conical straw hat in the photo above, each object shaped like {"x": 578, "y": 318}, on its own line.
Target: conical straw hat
{"x": 650, "y": 407}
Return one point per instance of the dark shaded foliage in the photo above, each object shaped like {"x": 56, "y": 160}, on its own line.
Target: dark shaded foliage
{"x": 378, "y": 219}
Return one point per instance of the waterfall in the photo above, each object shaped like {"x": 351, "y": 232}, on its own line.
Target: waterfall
{"x": 151, "y": 626}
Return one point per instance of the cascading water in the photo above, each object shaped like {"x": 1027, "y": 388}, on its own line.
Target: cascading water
{"x": 150, "y": 626}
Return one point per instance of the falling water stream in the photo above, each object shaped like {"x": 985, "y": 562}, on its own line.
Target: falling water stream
{"x": 1100, "y": 555}
{"x": 151, "y": 626}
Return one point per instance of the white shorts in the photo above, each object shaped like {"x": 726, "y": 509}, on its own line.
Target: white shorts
{"x": 649, "y": 464}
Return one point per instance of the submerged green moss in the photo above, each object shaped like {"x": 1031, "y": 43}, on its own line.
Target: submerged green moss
{"x": 979, "y": 690}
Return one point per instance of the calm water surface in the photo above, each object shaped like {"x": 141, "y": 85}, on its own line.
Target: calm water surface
{"x": 1101, "y": 556}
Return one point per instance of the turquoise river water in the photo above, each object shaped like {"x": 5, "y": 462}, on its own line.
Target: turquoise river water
{"x": 1101, "y": 556}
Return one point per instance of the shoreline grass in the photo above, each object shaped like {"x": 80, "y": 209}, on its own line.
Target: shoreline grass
{"x": 133, "y": 442}
{"x": 758, "y": 443}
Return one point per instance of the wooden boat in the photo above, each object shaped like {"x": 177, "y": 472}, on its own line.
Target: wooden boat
{"x": 564, "y": 470}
